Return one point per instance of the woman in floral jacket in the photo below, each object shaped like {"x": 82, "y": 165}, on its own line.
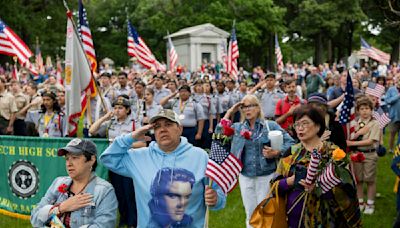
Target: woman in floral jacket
{"x": 315, "y": 179}
{"x": 250, "y": 143}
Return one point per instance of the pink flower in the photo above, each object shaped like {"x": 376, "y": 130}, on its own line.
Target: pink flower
{"x": 63, "y": 188}
{"x": 226, "y": 123}
{"x": 246, "y": 134}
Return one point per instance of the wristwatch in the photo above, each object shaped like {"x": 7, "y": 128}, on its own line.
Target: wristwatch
{"x": 55, "y": 210}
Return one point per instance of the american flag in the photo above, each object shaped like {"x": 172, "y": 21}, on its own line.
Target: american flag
{"x": 138, "y": 48}
{"x": 38, "y": 56}
{"x": 223, "y": 167}
{"x": 327, "y": 180}
{"x": 278, "y": 53}
{"x": 59, "y": 71}
{"x": 11, "y": 44}
{"x": 86, "y": 36}
{"x": 381, "y": 117}
{"x": 173, "y": 56}
{"x": 347, "y": 112}
{"x": 233, "y": 54}
{"x": 375, "y": 89}
{"x": 374, "y": 53}
{"x": 223, "y": 55}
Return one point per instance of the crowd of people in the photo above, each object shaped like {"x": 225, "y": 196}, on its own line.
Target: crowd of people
{"x": 160, "y": 127}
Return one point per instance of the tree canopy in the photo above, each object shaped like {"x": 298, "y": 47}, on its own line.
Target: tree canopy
{"x": 327, "y": 30}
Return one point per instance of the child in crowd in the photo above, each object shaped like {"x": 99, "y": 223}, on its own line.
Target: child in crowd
{"x": 365, "y": 169}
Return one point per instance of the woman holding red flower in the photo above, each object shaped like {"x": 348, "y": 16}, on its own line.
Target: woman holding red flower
{"x": 250, "y": 143}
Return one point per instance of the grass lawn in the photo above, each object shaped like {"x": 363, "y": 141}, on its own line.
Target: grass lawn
{"x": 233, "y": 215}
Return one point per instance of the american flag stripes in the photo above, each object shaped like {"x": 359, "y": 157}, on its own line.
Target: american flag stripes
{"x": 313, "y": 167}
{"x": 86, "y": 36}
{"x": 347, "y": 112}
{"x": 38, "y": 57}
{"x": 173, "y": 56}
{"x": 374, "y": 53}
{"x": 11, "y": 44}
{"x": 224, "y": 55}
{"x": 327, "y": 179}
{"x": 233, "y": 54}
{"x": 223, "y": 167}
{"x": 278, "y": 53}
{"x": 381, "y": 117}
{"x": 138, "y": 48}
{"x": 375, "y": 89}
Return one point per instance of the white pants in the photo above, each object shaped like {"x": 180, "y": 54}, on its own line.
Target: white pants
{"x": 253, "y": 190}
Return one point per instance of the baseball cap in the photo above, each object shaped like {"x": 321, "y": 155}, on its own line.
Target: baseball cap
{"x": 168, "y": 114}
{"x": 78, "y": 146}
{"x": 185, "y": 87}
{"x": 270, "y": 75}
{"x": 122, "y": 101}
{"x": 317, "y": 98}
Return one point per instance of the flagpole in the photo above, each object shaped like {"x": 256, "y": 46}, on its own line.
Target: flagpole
{"x": 208, "y": 209}
{"x": 69, "y": 14}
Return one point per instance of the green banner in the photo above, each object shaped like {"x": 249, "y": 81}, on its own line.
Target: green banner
{"x": 28, "y": 166}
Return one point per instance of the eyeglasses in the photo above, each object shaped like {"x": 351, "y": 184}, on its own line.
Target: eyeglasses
{"x": 245, "y": 107}
{"x": 303, "y": 125}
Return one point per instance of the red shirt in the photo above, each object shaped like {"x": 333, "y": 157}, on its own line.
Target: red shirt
{"x": 282, "y": 108}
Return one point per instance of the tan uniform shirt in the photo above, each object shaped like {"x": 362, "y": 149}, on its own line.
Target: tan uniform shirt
{"x": 38, "y": 100}
{"x": 7, "y": 105}
{"x": 373, "y": 133}
{"x": 21, "y": 100}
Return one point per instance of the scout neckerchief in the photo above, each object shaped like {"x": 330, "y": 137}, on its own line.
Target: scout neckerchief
{"x": 47, "y": 120}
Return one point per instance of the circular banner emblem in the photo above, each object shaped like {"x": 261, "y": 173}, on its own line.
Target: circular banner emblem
{"x": 23, "y": 179}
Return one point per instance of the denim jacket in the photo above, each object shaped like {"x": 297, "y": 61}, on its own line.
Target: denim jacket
{"x": 393, "y": 99}
{"x": 102, "y": 214}
{"x": 254, "y": 164}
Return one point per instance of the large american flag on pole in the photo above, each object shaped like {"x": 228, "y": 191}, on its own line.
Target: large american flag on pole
{"x": 138, "y": 48}
{"x": 374, "y": 53}
{"x": 223, "y": 167}
{"x": 11, "y": 44}
{"x": 347, "y": 111}
{"x": 173, "y": 56}
{"x": 86, "y": 36}
{"x": 233, "y": 54}
{"x": 278, "y": 53}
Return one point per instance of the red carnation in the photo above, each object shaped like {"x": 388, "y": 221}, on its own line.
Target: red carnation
{"x": 63, "y": 188}
{"x": 246, "y": 134}
{"x": 357, "y": 157}
{"x": 360, "y": 156}
{"x": 228, "y": 131}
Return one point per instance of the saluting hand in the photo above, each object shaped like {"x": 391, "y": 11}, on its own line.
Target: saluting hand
{"x": 140, "y": 133}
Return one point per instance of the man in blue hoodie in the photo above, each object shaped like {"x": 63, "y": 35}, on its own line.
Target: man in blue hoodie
{"x": 169, "y": 176}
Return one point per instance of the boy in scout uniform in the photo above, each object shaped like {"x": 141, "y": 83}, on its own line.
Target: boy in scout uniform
{"x": 365, "y": 171}
{"x": 21, "y": 100}
{"x": 8, "y": 109}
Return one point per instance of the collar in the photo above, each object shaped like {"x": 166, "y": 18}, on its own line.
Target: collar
{"x": 296, "y": 99}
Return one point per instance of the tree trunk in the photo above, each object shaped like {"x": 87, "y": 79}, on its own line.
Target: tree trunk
{"x": 395, "y": 51}
{"x": 270, "y": 66}
{"x": 350, "y": 39}
{"x": 330, "y": 51}
{"x": 318, "y": 49}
